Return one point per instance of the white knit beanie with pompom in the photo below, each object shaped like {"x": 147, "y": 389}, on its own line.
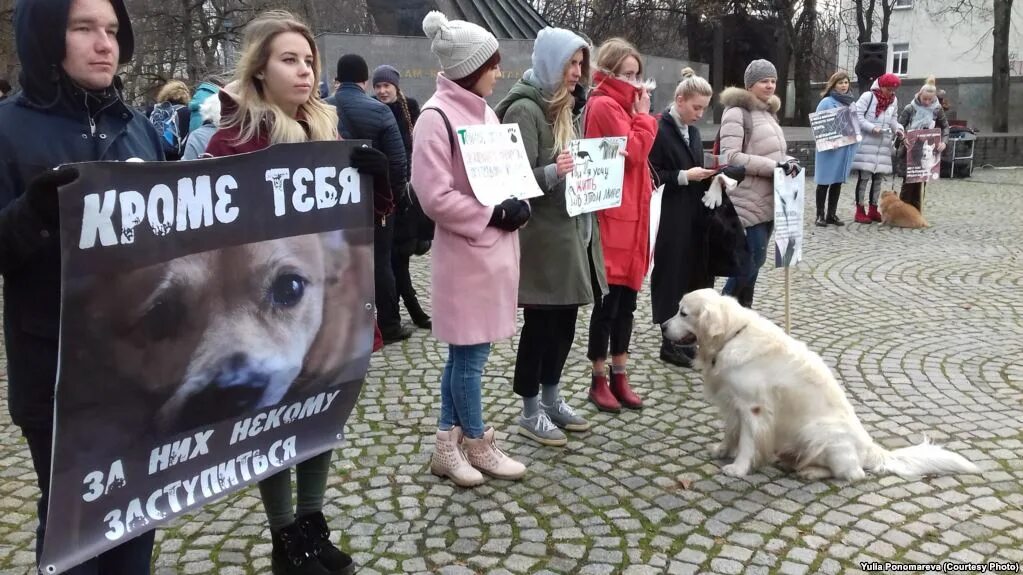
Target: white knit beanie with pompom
{"x": 462, "y": 47}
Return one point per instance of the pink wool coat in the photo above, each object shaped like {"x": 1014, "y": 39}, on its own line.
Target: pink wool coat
{"x": 475, "y": 275}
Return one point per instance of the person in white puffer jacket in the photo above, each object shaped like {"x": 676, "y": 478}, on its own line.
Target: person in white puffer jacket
{"x": 877, "y": 111}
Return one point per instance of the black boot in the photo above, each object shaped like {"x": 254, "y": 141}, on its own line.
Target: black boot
{"x": 395, "y": 334}
{"x": 317, "y": 532}
{"x": 675, "y": 353}
{"x": 822, "y": 194}
{"x": 415, "y": 311}
{"x": 833, "y": 194}
{"x": 293, "y": 554}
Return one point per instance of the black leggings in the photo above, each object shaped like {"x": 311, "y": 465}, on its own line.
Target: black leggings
{"x": 611, "y": 322}
{"x": 546, "y": 339}
{"x": 827, "y": 195}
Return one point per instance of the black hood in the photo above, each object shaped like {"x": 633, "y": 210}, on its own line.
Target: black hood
{"x": 39, "y": 27}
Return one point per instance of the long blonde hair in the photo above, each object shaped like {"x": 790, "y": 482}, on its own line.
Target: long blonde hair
{"x": 561, "y": 104}
{"x": 833, "y": 81}
{"x": 254, "y": 112}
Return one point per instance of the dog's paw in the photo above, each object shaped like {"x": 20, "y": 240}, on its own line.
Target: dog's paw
{"x": 735, "y": 470}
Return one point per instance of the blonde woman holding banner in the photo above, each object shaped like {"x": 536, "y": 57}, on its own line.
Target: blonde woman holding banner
{"x": 558, "y": 250}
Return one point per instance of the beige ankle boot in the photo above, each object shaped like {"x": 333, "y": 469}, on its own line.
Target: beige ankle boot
{"x": 485, "y": 455}
{"x": 449, "y": 461}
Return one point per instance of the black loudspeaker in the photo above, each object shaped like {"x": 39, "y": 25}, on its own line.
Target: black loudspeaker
{"x": 871, "y": 64}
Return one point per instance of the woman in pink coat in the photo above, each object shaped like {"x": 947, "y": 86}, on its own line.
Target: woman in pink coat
{"x": 475, "y": 275}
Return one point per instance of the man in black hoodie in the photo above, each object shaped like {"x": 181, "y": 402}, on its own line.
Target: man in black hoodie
{"x": 69, "y": 110}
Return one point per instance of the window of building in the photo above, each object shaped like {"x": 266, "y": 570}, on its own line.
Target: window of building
{"x": 903, "y": 4}
{"x": 900, "y": 59}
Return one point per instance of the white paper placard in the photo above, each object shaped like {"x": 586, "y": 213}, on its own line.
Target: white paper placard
{"x": 789, "y": 198}
{"x": 496, "y": 163}
{"x": 596, "y": 181}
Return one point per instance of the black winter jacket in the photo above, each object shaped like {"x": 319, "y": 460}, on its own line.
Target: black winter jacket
{"x": 51, "y": 122}
{"x": 372, "y": 120}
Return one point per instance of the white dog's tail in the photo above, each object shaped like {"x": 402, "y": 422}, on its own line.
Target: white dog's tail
{"x": 920, "y": 460}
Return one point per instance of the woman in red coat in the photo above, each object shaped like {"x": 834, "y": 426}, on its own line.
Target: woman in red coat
{"x": 620, "y": 106}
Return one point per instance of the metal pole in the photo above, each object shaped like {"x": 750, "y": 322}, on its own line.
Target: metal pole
{"x": 788, "y": 311}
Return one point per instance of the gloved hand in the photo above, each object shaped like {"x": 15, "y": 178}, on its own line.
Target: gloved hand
{"x": 737, "y": 173}
{"x": 41, "y": 193}
{"x": 370, "y": 161}
{"x": 790, "y": 167}
{"x": 712, "y": 197}
{"x": 374, "y": 163}
{"x": 510, "y": 215}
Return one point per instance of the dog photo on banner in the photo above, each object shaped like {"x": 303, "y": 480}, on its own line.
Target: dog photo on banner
{"x": 216, "y": 327}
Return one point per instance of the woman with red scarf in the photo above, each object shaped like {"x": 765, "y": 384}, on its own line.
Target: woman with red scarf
{"x": 620, "y": 106}
{"x": 878, "y": 114}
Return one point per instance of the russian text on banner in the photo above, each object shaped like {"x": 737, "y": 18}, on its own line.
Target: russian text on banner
{"x": 496, "y": 163}
{"x": 595, "y": 183}
{"x": 216, "y": 326}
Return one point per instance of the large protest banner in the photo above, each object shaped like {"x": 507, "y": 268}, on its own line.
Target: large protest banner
{"x": 216, "y": 326}
{"x": 923, "y": 158}
{"x": 834, "y": 128}
{"x": 789, "y": 200}
{"x": 595, "y": 182}
{"x": 495, "y": 161}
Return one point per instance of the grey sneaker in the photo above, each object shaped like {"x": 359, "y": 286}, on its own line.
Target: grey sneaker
{"x": 540, "y": 429}
{"x": 564, "y": 416}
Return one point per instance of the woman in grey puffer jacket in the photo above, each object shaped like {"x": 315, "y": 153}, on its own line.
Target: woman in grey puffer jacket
{"x": 760, "y": 151}
{"x": 877, "y": 112}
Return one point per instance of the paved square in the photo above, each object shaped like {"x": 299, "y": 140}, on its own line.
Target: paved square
{"x": 924, "y": 328}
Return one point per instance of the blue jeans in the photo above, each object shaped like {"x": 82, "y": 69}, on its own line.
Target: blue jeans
{"x": 461, "y": 389}
{"x": 741, "y": 286}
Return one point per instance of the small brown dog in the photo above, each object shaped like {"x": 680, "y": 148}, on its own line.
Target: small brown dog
{"x": 898, "y": 213}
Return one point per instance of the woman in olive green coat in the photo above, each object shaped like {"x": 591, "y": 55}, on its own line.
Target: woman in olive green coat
{"x": 562, "y": 262}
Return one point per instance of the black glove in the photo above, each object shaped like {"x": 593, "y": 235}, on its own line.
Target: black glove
{"x": 370, "y": 161}
{"x": 41, "y": 193}
{"x": 790, "y": 167}
{"x": 737, "y": 173}
{"x": 374, "y": 163}
{"x": 510, "y": 215}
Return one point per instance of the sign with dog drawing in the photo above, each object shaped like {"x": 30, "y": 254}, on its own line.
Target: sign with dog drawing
{"x": 496, "y": 163}
{"x": 216, "y": 326}
{"x": 834, "y": 128}
{"x": 923, "y": 159}
{"x": 595, "y": 183}
{"x": 789, "y": 198}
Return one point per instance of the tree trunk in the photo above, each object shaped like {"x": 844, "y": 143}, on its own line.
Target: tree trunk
{"x": 806, "y": 30}
{"x": 1000, "y": 67}
{"x": 886, "y": 18}
{"x": 188, "y": 39}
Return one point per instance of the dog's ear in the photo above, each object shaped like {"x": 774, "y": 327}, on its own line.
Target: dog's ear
{"x": 712, "y": 318}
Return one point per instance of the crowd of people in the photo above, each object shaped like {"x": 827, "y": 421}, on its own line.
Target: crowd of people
{"x": 487, "y": 263}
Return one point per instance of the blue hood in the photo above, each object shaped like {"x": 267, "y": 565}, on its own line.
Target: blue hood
{"x": 39, "y": 34}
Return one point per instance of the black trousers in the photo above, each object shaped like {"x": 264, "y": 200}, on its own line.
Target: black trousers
{"x": 400, "y": 261}
{"x": 388, "y": 317}
{"x": 544, "y": 344}
{"x": 611, "y": 322}
{"x": 827, "y": 195}
{"x": 130, "y": 558}
{"x": 911, "y": 194}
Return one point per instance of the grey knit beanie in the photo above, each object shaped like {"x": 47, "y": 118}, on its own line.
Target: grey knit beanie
{"x": 462, "y": 47}
{"x": 757, "y": 71}
{"x": 386, "y": 74}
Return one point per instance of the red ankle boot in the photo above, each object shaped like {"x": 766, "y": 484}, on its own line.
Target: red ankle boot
{"x": 861, "y": 216}
{"x": 874, "y": 215}
{"x": 601, "y": 396}
{"x": 621, "y": 390}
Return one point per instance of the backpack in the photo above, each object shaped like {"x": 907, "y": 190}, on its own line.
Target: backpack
{"x": 747, "y": 130}
{"x": 164, "y": 118}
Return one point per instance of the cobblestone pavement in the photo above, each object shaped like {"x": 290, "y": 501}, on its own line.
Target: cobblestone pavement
{"x": 923, "y": 328}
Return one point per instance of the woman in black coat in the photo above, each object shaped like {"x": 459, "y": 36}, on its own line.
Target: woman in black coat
{"x": 682, "y": 260}
{"x": 413, "y": 231}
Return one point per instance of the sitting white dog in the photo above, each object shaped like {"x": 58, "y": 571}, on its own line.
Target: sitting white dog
{"x": 781, "y": 404}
